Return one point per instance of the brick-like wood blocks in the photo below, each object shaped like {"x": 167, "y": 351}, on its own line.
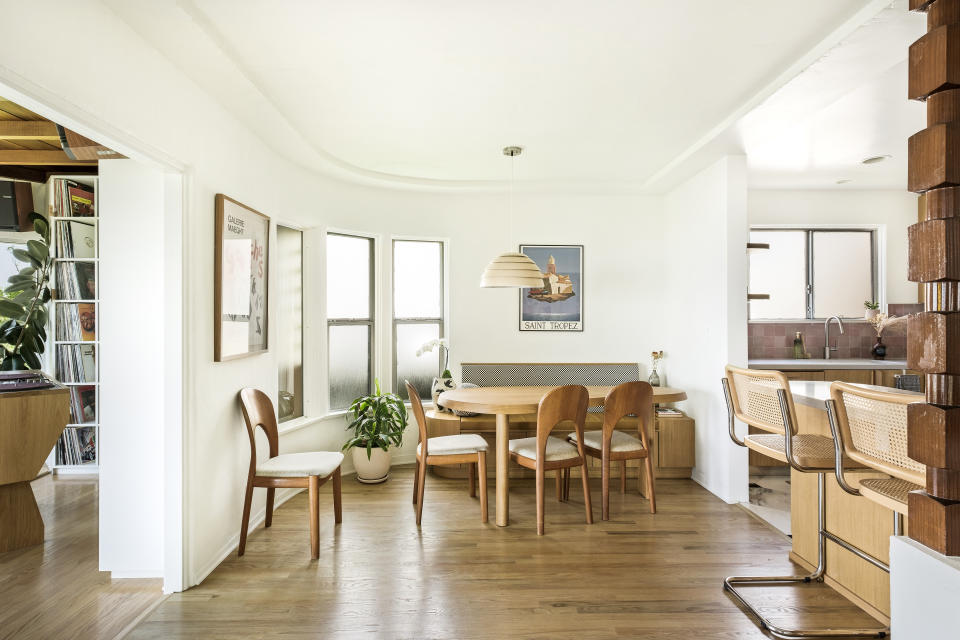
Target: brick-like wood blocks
{"x": 933, "y": 337}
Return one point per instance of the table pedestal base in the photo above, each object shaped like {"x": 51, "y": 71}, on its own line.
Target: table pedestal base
{"x": 20, "y": 521}
{"x": 503, "y": 470}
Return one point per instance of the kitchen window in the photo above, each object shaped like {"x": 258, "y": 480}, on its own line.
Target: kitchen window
{"x": 350, "y": 313}
{"x": 418, "y": 305}
{"x": 813, "y": 273}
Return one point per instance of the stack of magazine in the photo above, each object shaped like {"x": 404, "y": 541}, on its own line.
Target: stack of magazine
{"x": 76, "y": 363}
{"x": 77, "y": 322}
{"x": 76, "y": 281}
{"x": 73, "y": 199}
{"x": 83, "y": 404}
{"x": 76, "y": 239}
{"x": 77, "y": 446}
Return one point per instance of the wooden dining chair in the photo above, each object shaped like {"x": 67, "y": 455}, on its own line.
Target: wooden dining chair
{"x": 307, "y": 470}
{"x": 544, "y": 452}
{"x": 608, "y": 444}
{"x": 464, "y": 448}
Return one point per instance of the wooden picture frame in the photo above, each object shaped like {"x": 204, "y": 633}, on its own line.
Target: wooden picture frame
{"x": 240, "y": 290}
{"x": 561, "y": 307}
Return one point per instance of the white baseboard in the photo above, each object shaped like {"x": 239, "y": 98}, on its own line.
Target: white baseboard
{"x": 256, "y": 519}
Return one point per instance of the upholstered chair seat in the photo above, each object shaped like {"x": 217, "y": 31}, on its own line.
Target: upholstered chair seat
{"x": 557, "y": 449}
{"x": 297, "y": 465}
{"x": 461, "y": 444}
{"x": 619, "y": 441}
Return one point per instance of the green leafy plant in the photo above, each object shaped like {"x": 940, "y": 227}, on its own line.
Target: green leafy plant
{"x": 23, "y": 304}
{"x": 870, "y": 305}
{"x": 379, "y": 420}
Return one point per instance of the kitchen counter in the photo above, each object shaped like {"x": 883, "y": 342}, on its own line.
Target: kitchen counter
{"x": 815, "y": 393}
{"x": 817, "y": 364}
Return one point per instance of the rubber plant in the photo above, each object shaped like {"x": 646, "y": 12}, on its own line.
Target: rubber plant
{"x": 23, "y": 333}
{"x": 379, "y": 420}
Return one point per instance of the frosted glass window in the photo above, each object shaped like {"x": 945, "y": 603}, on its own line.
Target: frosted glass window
{"x": 781, "y": 272}
{"x": 419, "y": 370}
{"x": 290, "y": 323}
{"x": 349, "y": 363}
{"x": 349, "y": 262}
{"x": 417, "y": 279}
{"x": 842, "y": 272}
{"x": 417, "y": 312}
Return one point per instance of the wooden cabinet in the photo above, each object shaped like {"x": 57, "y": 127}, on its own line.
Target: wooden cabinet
{"x": 674, "y": 446}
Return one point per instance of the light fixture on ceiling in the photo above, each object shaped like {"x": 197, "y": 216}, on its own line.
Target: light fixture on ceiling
{"x": 512, "y": 269}
{"x": 875, "y": 159}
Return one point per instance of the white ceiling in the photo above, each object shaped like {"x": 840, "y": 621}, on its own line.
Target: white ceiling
{"x": 429, "y": 91}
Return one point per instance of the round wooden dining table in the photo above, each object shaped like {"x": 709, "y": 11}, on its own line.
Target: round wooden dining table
{"x": 507, "y": 401}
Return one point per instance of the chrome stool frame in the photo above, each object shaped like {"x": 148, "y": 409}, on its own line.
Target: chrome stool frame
{"x": 731, "y": 583}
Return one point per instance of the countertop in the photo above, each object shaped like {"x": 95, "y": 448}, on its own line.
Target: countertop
{"x": 815, "y": 364}
{"x": 815, "y": 393}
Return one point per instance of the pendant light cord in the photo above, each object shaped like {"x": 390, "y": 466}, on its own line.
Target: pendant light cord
{"x": 513, "y": 166}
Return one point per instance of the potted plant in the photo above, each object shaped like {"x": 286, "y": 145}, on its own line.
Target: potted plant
{"x": 871, "y": 309}
{"x": 23, "y": 303}
{"x": 378, "y": 423}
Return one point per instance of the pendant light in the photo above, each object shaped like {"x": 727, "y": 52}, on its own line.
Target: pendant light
{"x": 512, "y": 269}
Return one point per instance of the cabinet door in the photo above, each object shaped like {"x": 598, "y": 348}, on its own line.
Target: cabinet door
{"x": 675, "y": 442}
{"x": 804, "y": 375}
{"x": 856, "y": 376}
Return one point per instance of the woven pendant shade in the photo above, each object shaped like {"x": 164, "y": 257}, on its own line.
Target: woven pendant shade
{"x": 512, "y": 270}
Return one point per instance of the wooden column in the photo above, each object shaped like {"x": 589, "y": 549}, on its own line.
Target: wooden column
{"x": 933, "y": 344}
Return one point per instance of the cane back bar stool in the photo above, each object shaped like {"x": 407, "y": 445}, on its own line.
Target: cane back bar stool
{"x": 762, "y": 399}
{"x": 871, "y": 427}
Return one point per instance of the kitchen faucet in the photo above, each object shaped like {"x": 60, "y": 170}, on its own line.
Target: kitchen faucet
{"x": 826, "y": 335}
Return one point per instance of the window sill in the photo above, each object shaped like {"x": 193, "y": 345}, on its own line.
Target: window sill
{"x": 803, "y": 320}
{"x": 306, "y": 421}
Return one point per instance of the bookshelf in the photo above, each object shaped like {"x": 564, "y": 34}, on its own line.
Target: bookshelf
{"x": 73, "y": 357}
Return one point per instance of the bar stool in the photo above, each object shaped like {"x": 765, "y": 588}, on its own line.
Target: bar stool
{"x": 870, "y": 427}
{"x": 762, "y": 399}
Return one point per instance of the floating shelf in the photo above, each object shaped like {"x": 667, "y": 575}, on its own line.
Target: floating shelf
{"x": 758, "y": 296}
{"x": 757, "y": 246}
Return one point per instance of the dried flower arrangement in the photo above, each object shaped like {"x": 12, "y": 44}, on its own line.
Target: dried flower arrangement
{"x": 881, "y": 321}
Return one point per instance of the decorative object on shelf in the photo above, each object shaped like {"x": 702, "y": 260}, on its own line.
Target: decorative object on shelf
{"x": 240, "y": 280}
{"x": 871, "y": 309}
{"x": 556, "y": 303}
{"x": 511, "y": 269}
{"x": 24, "y": 302}
{"x": 880, "y": 322}
{"x": 654, "y": 377}
{"x": 379, "y": 420}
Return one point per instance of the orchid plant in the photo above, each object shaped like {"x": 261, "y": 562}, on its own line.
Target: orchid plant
{"x": 444, "y": 345}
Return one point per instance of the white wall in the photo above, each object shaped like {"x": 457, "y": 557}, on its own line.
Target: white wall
{"x": 706, "y": 299}
{"x": 894, "y": 210}
{"x": 924, "y": 591}
{"x": 650, "y": 283}
{"x": 130, "y": 327}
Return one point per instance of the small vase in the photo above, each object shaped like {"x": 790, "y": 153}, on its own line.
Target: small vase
{"x": 439, "y": 386}
{"x": 654, "y": 378}
{"x": 879, "y": 349}
{"x": 870, "y": 314}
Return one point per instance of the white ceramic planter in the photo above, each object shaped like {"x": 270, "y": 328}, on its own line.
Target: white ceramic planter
{"x": 374, "y": 470}
{"x": 870, "y": 314}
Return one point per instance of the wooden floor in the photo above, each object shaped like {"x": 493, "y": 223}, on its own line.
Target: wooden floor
{"x": 638, "y": 575}
{"x": 55, "y": 590}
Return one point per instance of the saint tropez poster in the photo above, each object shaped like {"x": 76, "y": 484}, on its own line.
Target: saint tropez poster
{"x": 558, "y": 304}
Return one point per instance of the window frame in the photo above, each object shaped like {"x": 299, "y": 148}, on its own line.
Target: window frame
{"x": 370, "y": 322}
{"x": 303, "y": 321}
{"x": 809, "y": 231}
{"x": 395, "y": 321}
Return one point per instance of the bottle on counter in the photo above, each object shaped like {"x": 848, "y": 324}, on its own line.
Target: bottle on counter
{"x": 799, "y": 349}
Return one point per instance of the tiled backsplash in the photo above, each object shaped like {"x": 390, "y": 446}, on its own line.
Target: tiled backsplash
{"x": 775, "y": 339}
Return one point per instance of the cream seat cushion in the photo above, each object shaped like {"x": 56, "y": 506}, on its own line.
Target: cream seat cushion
{"x": 298, "y": 465}
{"x": 619, "y": 442}
{"x": 557, "y": 449}
{"x": 464, "y": 443}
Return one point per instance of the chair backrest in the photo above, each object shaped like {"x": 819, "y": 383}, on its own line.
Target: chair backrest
{"x": 561, "y": 404}
{"x": 755, "y": 399}
{"x": 872, "y": 426}
{"x": 258, "y": 412}
{"x": 628, "y": 399}
{"x": 418, "y": 415}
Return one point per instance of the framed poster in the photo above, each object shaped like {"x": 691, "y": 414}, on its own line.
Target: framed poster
{"x": 240, "y": 280}
{"x": 558, "y": 304}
